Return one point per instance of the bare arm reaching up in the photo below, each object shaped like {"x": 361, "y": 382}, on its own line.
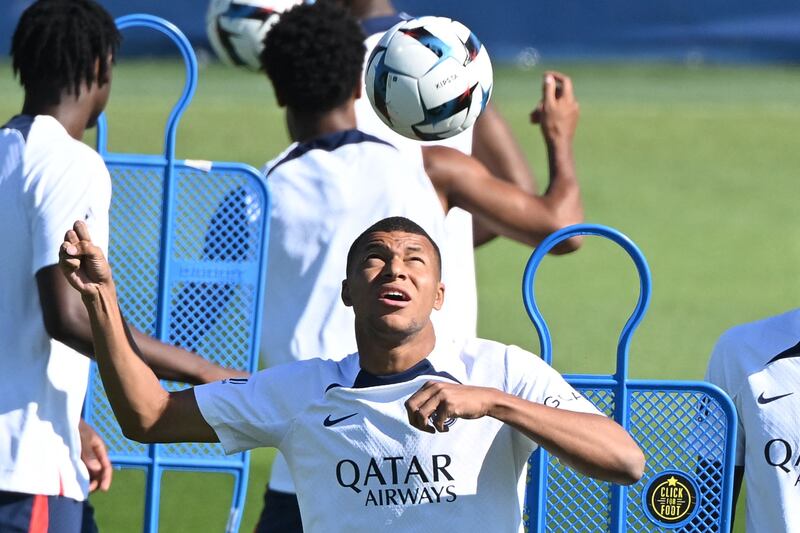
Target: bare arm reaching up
{"x": 494, "y": 145}
{"x": 506, "y": 209}
{"x": 146, "y": 412}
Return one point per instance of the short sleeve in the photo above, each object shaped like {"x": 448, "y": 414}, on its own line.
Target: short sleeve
{"x": 529, "y": 377}
{"x": 259, "y": 411}
{"x": 64, "y": 190}
{"x": 719, "y": 372}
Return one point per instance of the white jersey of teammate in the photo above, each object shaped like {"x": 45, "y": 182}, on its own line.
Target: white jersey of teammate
{"x": 324, "y": 193}
{"x": 47, "y": 181}
{"x": 358, "y": 463}
{"x": 758, "y": 365}
{"x": 461, "y": 305}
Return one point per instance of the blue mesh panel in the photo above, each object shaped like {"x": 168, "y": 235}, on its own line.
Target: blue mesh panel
{"x": 215, "y": 258}
{"x": 684, "y": 430}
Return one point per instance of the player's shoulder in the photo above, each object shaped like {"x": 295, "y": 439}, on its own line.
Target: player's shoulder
{"x": 315, "y": 371}
{"x": 330, "y": 149}
{"x": 492, "y": 358}
{"x": 55, "y": 150}
{"x": 747, "y": 347}
{"x": 752, "y": 338}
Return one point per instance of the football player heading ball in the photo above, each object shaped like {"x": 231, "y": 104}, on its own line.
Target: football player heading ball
{"x": 401, "y": 423}
{"x": 334, "y": 179}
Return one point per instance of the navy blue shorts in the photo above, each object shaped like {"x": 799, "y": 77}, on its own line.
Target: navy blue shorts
{"x": 280, "y": 514}
{"x": 29, "y": 513}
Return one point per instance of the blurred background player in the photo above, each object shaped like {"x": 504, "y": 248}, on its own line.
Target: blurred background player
{"x": 335, "y": 180}
{"x": 758, "y": 365}
{"x": 366, "y": 434}
{"x": 63, "y": 52}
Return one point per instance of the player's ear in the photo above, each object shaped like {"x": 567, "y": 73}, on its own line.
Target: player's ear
{"x": 346, "y": 294}
{"x": 358, "y": 91}
{"x": 438, "y": 299}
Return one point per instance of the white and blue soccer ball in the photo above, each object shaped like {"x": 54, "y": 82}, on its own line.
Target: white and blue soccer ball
{"x": 429, "y": 78}
{"x": 237, "y": 28}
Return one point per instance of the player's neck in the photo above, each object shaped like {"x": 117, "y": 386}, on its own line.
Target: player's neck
{"x": 71, "y": 112}
{"x": 304, "y": 127}
{"x": 384, "y": 353}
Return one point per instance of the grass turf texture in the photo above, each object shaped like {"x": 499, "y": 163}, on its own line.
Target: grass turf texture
{"x": 697, "y": 166}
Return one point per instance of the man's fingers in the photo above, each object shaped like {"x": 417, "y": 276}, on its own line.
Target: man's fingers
{"x": 82, "y": 230}
{"x": 536, "y": 114}
{"x": 548, "y": 89}
{"x": 441, "y": 417}
{"x": 566, "y": 83}
{"x": 106, "y": 469}
{"x": 106, "y": 473}
{"x": 71, "y": 237}
{"x": 563, "y": 84}
{"x": 416, "y": 407}
{"x": 432, "y": 413}
{"x": 95, "y": 472}
{"x": 68, "y": 251}
{"x": 71, "y": 254}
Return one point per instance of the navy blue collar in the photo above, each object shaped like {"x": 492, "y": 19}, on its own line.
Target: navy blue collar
{"x": 21, "y": 123}
{"x": 794, "y": 351}
{"x": 375, "y": 25}
{"x": 424, "y": 368}
{"x": 329, "y": 143}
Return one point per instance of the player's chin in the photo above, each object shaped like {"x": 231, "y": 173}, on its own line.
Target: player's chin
{"x": 398, "y": 321}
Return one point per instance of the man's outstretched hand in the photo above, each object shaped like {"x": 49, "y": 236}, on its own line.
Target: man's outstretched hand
{"x": 83, "y": 263}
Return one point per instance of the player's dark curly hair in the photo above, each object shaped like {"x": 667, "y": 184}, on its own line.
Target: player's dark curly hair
{"x": 314, "y": 55}
{"x": 386, "y": 225}
{"x": 56, "y": 45}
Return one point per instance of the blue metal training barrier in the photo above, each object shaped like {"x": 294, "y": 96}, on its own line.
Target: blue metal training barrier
{"x": 686, "y": 429}
{"x": 188, "y": 249}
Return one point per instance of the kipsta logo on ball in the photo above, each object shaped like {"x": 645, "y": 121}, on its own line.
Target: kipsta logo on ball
{"x": 429, "y": 78}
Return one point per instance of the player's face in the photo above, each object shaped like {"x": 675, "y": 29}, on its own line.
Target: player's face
{"x": 394, "y": 283}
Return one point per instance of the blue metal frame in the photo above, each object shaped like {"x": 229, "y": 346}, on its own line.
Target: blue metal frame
{"x": 155, "y": 463}
{"x": 617, "y": 382}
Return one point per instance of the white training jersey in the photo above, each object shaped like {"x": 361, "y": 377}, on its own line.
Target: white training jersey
{"x": 758, "y": 365}
{"x": 461, "y": 303}
{"x": 47, "y": 181}
{"x": 357, "y": 462}
{"x": 324, "y": 194}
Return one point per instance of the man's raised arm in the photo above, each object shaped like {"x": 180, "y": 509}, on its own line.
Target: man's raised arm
{"x": 506, "y": 209}
{"x": 145, "y": 411}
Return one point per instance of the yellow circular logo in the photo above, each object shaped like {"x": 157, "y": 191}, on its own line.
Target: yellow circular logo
{"x": 670, "y": 498}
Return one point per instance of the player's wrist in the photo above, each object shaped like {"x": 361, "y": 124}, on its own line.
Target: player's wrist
{"x": 559, "y": 141}
{"x": 501, "y": 405}
{"x": 100, "y": 297}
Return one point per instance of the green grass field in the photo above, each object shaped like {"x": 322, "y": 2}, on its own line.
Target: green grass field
{"x": 697, "y": 165}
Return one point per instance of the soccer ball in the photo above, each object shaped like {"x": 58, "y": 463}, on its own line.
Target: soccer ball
{"x": 429, "y": 78}
{"x": 236, "y": 28}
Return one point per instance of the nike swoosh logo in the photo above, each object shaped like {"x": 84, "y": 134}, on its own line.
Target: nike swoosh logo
{"x": 328, "y": 422}
{"x": 762, "y": 400}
